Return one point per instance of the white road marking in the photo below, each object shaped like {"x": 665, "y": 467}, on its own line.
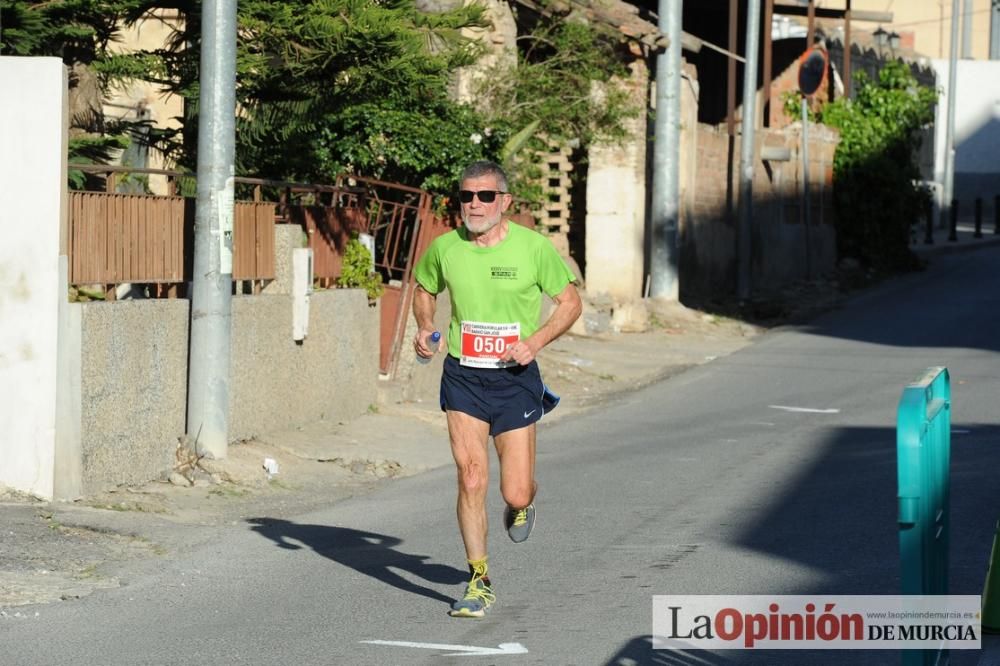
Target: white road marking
{"x": 459, "y": 650}
{"x": 806, "y": 410}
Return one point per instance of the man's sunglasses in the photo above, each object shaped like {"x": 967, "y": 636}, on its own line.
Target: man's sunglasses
{"x": 486, "y": 196}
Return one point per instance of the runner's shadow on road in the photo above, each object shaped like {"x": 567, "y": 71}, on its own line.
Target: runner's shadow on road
{"x": 369, "y": 553}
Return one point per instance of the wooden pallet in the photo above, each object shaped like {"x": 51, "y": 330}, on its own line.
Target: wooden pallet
{"x": 554, "y": 215}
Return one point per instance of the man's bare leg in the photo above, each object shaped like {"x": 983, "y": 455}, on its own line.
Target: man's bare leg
{"x": 469, "y": 438}
{"x": 516, "y": 450}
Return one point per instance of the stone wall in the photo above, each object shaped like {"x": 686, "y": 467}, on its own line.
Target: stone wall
{"x": 499, "y": 41}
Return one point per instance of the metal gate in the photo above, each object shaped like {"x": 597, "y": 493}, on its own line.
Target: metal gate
{"x": 403, "y": 224}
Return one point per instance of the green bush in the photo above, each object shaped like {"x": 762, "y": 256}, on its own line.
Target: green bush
{"x": 356, "y": 272}
{"x": 877, "y": 191}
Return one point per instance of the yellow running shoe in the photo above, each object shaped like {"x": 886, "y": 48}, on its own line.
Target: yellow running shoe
{"x": 478, "y": 597}
{"x": 519, "y": 522}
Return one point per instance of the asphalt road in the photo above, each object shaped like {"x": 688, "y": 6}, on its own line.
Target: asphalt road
{"x": 698, "y": 485}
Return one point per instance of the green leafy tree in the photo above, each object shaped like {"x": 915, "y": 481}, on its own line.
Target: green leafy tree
{"x": 327, "y": 86}
{"x": 371, "y": 92}
{"x": 332, "y": 86}
{"x": 876, "y": 177}
{"x": 404, "y": 145}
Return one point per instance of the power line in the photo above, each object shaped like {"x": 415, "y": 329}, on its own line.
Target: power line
{"x": 937, "y": 20}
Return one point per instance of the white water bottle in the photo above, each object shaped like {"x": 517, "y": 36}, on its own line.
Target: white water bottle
{"x": 433, "y": 341}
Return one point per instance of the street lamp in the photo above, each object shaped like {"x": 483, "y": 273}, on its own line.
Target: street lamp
{"x": 881, "y": 37}
{"x": 893, "y": 42}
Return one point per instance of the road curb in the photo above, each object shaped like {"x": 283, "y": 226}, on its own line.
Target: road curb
{"x": 953, "y": 247}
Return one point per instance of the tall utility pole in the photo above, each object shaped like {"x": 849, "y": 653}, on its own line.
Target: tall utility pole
{"x": 747, "y": 127}
{"x": 664, "y": 281}
{"x": 948, "y": 191}
{"x": 994, "y": 29}
{"x": 967, "y": 15}
{"x": 211, "y": 294}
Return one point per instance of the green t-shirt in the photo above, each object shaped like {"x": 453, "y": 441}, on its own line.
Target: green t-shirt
{"x": 500, "y": 284}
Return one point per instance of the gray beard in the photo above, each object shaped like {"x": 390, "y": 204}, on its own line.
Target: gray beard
{"x": 483, "y": 229}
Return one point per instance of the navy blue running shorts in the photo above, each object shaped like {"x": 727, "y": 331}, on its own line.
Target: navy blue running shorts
{"x": 506, "y": 398}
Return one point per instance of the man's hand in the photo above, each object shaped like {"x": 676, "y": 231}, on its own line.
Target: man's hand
{"x": 420, "y": 341}
{"x": 568, "y": 308}
{"x": 522, "y": 351}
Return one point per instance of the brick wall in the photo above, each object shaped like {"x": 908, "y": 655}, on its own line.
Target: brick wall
{"x": 781, "y": 250}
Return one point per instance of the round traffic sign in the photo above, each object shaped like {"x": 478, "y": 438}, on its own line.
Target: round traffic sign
{"x": 812, "y": 70}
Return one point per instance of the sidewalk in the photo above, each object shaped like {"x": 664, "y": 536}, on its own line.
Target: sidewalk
{"x": 965, "y": 235}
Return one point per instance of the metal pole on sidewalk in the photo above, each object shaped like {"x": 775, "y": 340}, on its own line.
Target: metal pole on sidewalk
{"x": 949, "y": 139}
{"x": 747, "y": 127}
{"x": 806, "y": 217}
{"x": 664, "y": 264}
{"x": 212, "y": 281}
{"x": 967, "y": 30}
{"x": 994, "y": 30}
{"x": 929, "y": 223}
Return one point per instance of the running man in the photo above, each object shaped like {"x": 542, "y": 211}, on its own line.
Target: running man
{"x": 495, "y": 273}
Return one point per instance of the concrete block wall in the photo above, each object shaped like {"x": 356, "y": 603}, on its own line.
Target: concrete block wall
{"x": 133, "y": 372}
{"x": 133, "y": 389}
{"x": 279, "y": 384}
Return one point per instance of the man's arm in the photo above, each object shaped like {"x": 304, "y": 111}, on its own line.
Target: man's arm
{"x": 568, "y": 309}
{"x": 424, "y": 306}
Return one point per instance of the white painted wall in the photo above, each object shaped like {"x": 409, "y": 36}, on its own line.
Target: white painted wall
{"x": 977, "y": 129}
{"x": 32, "y": 186}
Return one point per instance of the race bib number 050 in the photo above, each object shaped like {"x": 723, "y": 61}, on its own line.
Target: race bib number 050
{"x": 483, "y": 344}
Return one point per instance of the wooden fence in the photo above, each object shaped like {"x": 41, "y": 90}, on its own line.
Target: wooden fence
{"x": 116, "y": 238}
{"x": 128, "y": 238}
